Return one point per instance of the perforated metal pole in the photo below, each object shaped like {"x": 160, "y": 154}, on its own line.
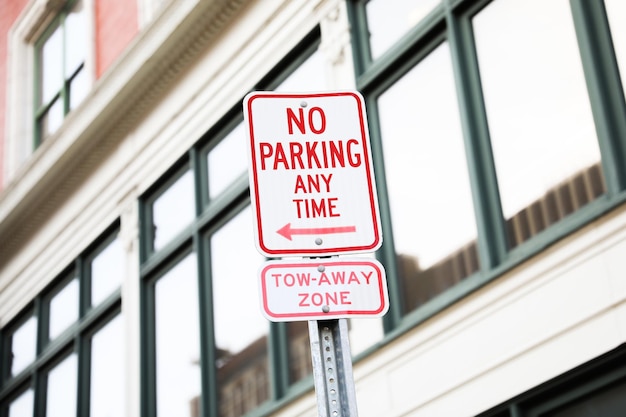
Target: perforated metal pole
{"x": 332, "y": 368}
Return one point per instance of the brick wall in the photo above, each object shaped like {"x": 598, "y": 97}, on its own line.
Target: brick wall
{"x": 116, "y": 26}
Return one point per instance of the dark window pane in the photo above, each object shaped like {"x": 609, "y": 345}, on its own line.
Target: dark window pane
{"x": 543, "y": 136}
{"x": 429, "y": 195}
{"x": 300, "y": 365}
{"x": 607, "y": 403}
{"x": 177, "y": 339}
{"x": 108, "y": 381}
{"x": 616, "y": 11}
{"x": 240, "y": 329}
{"x": 62, "y": 388}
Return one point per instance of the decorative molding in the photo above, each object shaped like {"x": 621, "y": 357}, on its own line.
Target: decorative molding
{"x": 118, "y": 101}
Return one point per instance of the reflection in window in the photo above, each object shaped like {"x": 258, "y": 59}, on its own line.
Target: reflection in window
{"x": 543, "y": 137}
{"x": 242, "y": 352}
{"x": 107, "y": 270}
{"x": 177, "y": 339}
{"x": 22, "y": 406}
{"x": 107, "y": 371}
{"x": 227, "y": 161}
{"x": 388, "y": 20}
{"x": 431, "y": 207}
{"x": 300, "y": 365}
{"x": 616, "y": 12}
{"x": 64, "y": 308}
{"x": 173, "y": 210}
{"x": 62, "y": 389}
{"x": 23, "y": 346}
{"x": 61, "y": 70}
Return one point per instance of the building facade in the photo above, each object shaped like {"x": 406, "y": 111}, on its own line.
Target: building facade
{"x": 128, "y": 270}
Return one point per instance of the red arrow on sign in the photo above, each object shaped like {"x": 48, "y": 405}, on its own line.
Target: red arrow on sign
{"x": 287, "y": 231}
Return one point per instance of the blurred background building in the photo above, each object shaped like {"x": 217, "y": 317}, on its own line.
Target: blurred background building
{"x": 128, "y": 272}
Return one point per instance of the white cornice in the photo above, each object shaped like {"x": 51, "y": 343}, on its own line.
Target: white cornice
{"x": 150, "y": 65}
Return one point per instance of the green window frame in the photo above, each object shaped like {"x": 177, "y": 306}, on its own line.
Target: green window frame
{"x": 214, "y": 206}
{"x": 450, "y": 21}
{"x": 60, "y": 74}
{"x": 75, "y": 341}
{"x": 595, "y": 388}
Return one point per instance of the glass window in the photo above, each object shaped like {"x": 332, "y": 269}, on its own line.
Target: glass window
{"x": 62, "y": 388}
{"x": 300, "y": 365}
{"x": 607, "y": 402}
{"x": 616, "y": 12}
{"x": 107, "y": 371}
{"x": 388, "y": 20}
{"x": 107, "y": 271}
{"x": 309, "y": 76}
{"x": 177, "y": 339}
{"x": 23, "y": 405}
{"x": 543, "y": 136}
{"x": 173, "y": 210}
{"x": 430, "y": 200}
{"x": 51, "y": 375}
{"x": 23, "y": 346}
{"x": 61, "y": 70}
{"x": 63, "y": 308}
{"x": 242, "y": 353}
{"x": 227, "y": 161}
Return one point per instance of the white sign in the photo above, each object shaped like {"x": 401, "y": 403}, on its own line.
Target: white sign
{"x": 311, "y": 176}
{"x": 320, "y": 289}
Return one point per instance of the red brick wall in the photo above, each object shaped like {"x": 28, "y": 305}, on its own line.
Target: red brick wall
{"x": 116, "y": 25}
{"x": 9, "y": 11}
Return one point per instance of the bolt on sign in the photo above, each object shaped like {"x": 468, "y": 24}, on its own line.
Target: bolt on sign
{"x": 319, "y": 289}
{"x": 311, "y": 177}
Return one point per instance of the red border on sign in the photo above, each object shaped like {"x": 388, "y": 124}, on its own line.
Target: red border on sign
{"x": 370, "y": 181}
{"x": 382, "y": 285}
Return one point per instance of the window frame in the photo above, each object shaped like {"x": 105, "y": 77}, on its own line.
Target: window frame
{"x": 211, "y": 214}
{"x": 76, "y": 338}
{"x": 451, "y": 20}
{"x": 41, "y": 111}
{"x": 594, "y": 376}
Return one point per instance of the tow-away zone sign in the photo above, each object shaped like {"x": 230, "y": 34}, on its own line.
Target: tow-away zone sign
{"x": 311, "y": 176}
{"x": 320, "y": 289}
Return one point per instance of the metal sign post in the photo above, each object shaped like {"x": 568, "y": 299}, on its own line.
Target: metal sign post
{"x": 313, "y": 194}
{"x": 332, "y": 368}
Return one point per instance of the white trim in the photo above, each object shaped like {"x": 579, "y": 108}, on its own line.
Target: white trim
{"x": 19, "y": 129}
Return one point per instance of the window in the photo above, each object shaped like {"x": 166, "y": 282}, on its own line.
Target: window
{"x": 66, "y": 338}
{"x": 497, "y": 129}
{"x": 202, "y": 319}
{"x": 594, "y": 389}
{"x": 616, "y": 13}
{"x": 62, "y": 81}
{"x": 388, "y": 21}
{"x": 422, "y": 140}
{"x": 542, "y": 132}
